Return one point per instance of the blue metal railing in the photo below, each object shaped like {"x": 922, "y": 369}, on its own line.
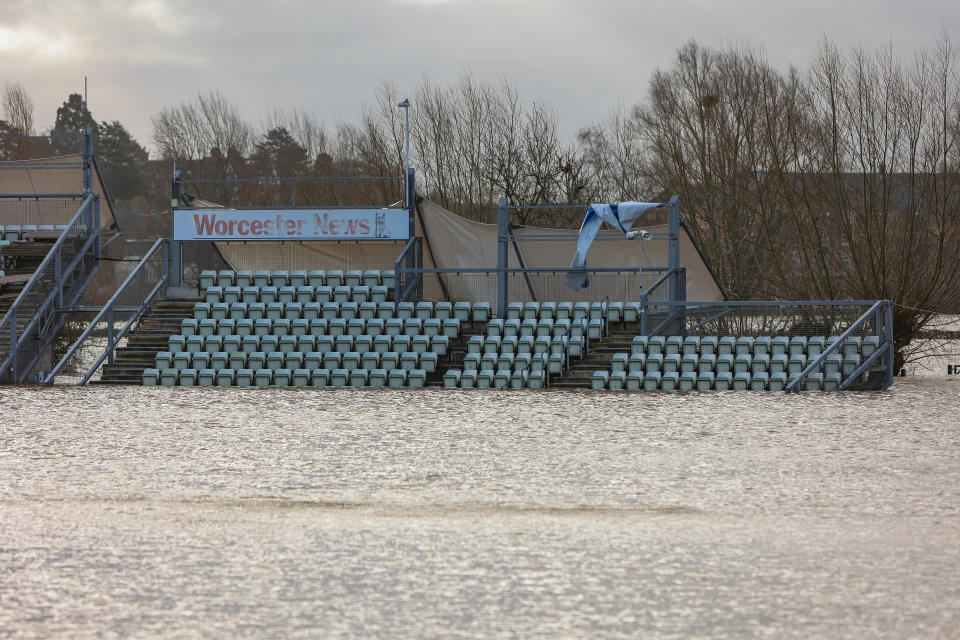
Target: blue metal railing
{"x": 28, "y": 327}
{"x": 886, "y": 347}
{"x": 106, "y": 314}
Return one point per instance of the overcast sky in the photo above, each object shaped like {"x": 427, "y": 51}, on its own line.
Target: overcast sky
{"x": 328, "y": 57}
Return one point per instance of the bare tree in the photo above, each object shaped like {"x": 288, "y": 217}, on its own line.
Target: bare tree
{"x": 18, "y": 108}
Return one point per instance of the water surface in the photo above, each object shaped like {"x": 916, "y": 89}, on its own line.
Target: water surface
{"x": 154, "y": 512}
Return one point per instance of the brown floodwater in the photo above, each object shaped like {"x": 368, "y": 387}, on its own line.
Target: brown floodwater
{"x": 155, "y": 512}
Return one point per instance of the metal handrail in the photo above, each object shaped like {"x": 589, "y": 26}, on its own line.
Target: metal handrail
{"x": 53, "y": 257}
{"x": 108, "y": 310}
{"x": 816, "y": 364}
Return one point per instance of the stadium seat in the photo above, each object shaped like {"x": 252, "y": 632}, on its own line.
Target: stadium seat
{"x": 282, "y": 377}
{"x": 200, "y": 360}
{"x": 723, "y": 381}
{"x": 256, "y": 311}
{"x": 485, "y": 379}
{"x": 741, "y": 381}
{"x": 187, "y": 378}
{"x": 194, "y": 343}
{"x": 249, "y": 295}
{"x": 318, "y": 327}
{"x": 619, "y": 362}
{"x": 226, "y": 327}
{"x": 323, "y": 294}
{"x": 280, "y": 278}
{"x": 263, "y": 377}
{"x": 275, "y": 360}
{"x": 708, "y": 345}
{"x": 501, "y": 378}
{"x": 461, "y": 311}
{"x": 181, "y": 360}
{"x": 244, "y": 378}
{"x": 238, "y": 360}
{"x": 615, "y": 312}
{"x": 150, "y": 377}
{"x": 798, "y": 346}
{"x": 762, "y": 346}
{"x": 237, "y": 311}
{"x": 225, "y": 377}
{"x": 206, "y": 377}
{"x": 189, "y": 326}
{"x": 371, "y": 277}
{"x": 208, "y": 277}
{"x": 636, "y": 363}
{"x": 337, "y": 327}
{"x": 257, "y": 360}
{"x": 656, "y": 345}
{"x": 796, "y": 364}
{"x": 317, "y": 278}
{"x": 744, "y": 346}
{"x": 670, "y": 381}
{"x": 564, "y": 311}
{"x": 299, "y": 278}
{"x": 671, "y": 363}
{"x": 396, "y": 378}
{"x": 851, "y": 346}
{"x": 293, "y": 360}
{"x": 707, "y": 363}
{"x": 742, "y": 363}
{"x": 724, "y": 363}
{"x": 231, "y": 295}
{"x": 268, "y": 294}
{"x": 390, "y": 360}
{"x": 705, "y": 380}
{"x": 777, "y": 382}
{"x": 814, "y": 382}
{"x": 261, "y": 278}
{"x": 219, "y": 360}
{"x": 778, "y": 363}
{"x": 654, "y": 363}
{"x": 691, "y": 345}
{"x": 339, "y": 377}
{"x": 759, "y": 381}
{"x": 359, "y": 377}
{"x": 417, "y": 378}
{"x": 617, "y": 380}
{"x": 311, "y": 311}
{"x": 780, "y": 345}
{"x": 206, "y": 328}
{"x": 250, "y": 343}
{"x": 244, "y": 278}
{"x": 378, "y": 377}
{"x": 320, "y": 377}
{"x": 634, "y": 381}
{"x": 599, "y": 380}
{"x": 869, "y": 345}
{"x": 688, "y": 381}
{"x": 760, "y": 364}
{"x": 201, "y": 310}
{"x": 689, "y": 363}
{"x": 673, "y": 345}
{"x": 481, "y": 311}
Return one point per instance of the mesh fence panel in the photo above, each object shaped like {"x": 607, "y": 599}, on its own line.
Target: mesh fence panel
{"x": 780, "y": 320}
{"x": 36, "y": 211}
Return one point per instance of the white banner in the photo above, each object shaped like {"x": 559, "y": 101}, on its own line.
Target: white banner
{"x": 291, "y": 224}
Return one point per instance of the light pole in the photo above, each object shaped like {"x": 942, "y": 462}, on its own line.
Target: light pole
{"x": 405, "y": 105}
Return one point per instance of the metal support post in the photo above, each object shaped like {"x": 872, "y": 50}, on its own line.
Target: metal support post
{"x": 58, "y": 275}
{"x": 110, "y": 336}
{"x": 12, "y": 314}
{"x": 176, "y": 263}
{"x": 673, "y": 209}
{"x": 503, "y": 231}
{"x": 643, "y": 314}
{"x": 95, "y": 226}
{"x": 888, "y": 330}
{"x": 175, "y": 253}
{"x": 87, "y": 161}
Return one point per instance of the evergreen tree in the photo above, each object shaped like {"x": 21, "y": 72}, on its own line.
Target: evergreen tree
{"x": 73, "y": 117}
{"x": 277, "y": 152}
{"x": 120, "y": 157}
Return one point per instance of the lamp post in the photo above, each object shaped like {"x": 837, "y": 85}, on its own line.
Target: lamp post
{"x": 405, "y": 105}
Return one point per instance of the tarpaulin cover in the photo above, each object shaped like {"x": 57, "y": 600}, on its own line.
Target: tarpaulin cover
{"x": 24, "y": 176}
{"x": 459, "y": 243}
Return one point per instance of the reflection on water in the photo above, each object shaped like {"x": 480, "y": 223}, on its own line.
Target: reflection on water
{"x": 419, "y": 513}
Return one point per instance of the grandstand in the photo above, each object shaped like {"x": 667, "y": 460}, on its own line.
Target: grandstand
{"x": 55, "y": 216}
{"x": 410, "y": 295}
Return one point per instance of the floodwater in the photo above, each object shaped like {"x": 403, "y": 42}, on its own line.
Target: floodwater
{"x": 180, "y": 513}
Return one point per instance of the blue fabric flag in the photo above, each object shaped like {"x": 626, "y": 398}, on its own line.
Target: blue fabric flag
{"x": 619, "y": 216}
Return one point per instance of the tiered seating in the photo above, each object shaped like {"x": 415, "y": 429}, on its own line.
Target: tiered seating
{"x": 317, "y": 328}
{"x": 721, "y": 363}
{"x": 525, "y": 348}
{"x": 12, "y": 233}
